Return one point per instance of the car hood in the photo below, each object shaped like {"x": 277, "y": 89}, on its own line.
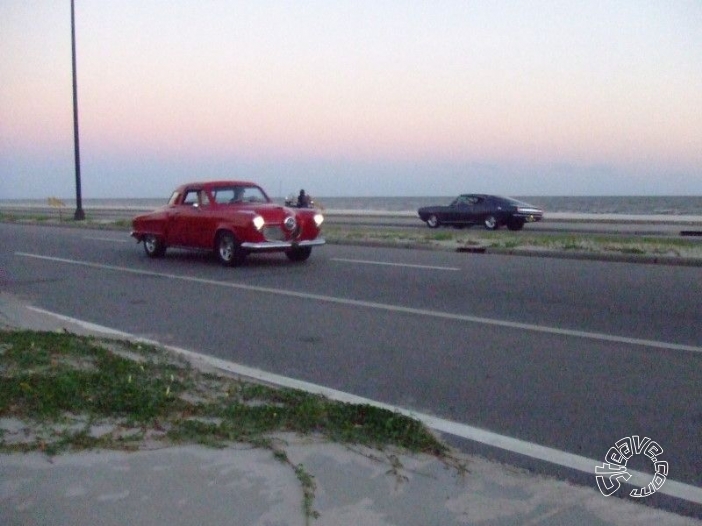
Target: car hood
{"x": 274, "y": 213}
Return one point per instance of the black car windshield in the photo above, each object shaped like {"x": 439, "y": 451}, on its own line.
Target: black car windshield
{"x": 239, "y": 194}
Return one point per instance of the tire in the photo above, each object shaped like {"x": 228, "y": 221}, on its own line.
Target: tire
{"x": 433, "y": 221}
{"x": 491, "y": 223}
{"x": 153, "y": 246}
{"x": 299, "y": 253}
{"x": 515, "y": 224}
{"x": 228, "y": 250}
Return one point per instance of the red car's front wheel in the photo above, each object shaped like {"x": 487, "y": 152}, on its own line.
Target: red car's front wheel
{"x": 228, "y": 250}
{"x": 153, "y": 246}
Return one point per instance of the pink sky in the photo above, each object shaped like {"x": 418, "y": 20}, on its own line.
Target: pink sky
{"x": 541, "y": 97}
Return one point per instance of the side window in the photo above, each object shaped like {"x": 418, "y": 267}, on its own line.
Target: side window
{"x": 239, "y": 194}
{"x": 174, "y": 198}
{"x": 224, "y": 195}
{"x": 195, "y": 197}
{"x": 190, "y": 198}
{"x": 252, "y": 194}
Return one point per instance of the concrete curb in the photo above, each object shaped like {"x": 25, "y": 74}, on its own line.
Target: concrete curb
{"x": 606, "y": 257}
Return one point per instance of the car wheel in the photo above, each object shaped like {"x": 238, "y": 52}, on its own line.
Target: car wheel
{"x": 299, "y": 253}
{"x": 433, "y": 221}
{"x": 491, "y": 223}
{"x": 515, "y": 224}
{"x": 153, "y": 246}
{"x": 228, "y": 250}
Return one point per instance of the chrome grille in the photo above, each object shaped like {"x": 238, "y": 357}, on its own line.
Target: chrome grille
{"x": 273, "y": 233}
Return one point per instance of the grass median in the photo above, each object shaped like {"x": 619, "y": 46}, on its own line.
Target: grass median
{"x": 61, "y": 391}
{"x": 460, "y": 239}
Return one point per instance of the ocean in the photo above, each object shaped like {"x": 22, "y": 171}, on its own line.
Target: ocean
{"x": 647, "y": 205}
{"x": 671, "y": 205}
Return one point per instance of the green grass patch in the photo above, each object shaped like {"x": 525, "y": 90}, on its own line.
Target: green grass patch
{"x": 45, "y": 375}
{"x": 72, "y": 385}
{"x": 36, "y": 218}
{"x": 122, "y": 223}
{"x": 441, "y": 236}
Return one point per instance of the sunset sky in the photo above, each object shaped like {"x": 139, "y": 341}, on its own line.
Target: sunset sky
{"x": 353, "y": 98}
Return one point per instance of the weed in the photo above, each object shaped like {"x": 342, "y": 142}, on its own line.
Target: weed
{"x": 308, "y": 487}
{"x": 572, "y": 244}
{"x": 632, "y": 250}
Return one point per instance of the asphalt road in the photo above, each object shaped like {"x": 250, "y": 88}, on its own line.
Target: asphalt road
{"x": 573, "y": 355}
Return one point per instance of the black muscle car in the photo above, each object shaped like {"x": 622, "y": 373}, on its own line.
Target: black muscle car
{"x": 491, "y": 211}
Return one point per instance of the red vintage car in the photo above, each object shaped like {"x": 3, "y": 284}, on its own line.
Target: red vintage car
{"x": 232, "y": 218}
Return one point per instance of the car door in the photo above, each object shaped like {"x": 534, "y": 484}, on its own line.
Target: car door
{"x": 464, "y": 210}
{"x": 455, "y": 213}
{"x": 479, "y": 209}
{"x": 189, "y": 219}
{"x": 202, "y": 222}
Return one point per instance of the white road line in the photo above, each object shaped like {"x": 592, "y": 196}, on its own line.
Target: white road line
{"x": 672, "y": 488}
{"x": 110, "y": 239}
{"x": 386, "y": 263}
{"x": 387, "y": 307}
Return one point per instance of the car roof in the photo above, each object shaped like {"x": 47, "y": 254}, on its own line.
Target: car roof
{"x": 489, "y": 196}
{"x": 213, "y": 184}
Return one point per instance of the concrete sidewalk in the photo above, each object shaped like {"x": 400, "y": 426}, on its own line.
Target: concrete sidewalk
{"x": 244, "y": 486}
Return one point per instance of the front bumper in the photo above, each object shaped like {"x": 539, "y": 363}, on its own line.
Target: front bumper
{"x": 265, "y": 246}
{"x": 529, "y": 218}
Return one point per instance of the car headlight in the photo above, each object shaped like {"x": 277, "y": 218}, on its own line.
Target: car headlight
{"x": 318, "y": 219}
{"x": 258, "y": 222}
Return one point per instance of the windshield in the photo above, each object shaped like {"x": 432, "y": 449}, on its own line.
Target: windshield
{"x": 239, "y": 194}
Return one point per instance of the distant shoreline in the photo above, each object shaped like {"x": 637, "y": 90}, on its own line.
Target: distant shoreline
{"x": 620, "y": 205}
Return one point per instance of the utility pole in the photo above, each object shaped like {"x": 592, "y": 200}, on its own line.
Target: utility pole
{"x": 79, "y": 214}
